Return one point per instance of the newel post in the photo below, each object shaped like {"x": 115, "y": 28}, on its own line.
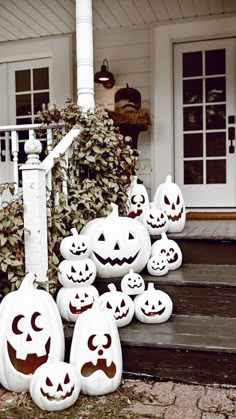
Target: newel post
{"x": 35, "y": 211}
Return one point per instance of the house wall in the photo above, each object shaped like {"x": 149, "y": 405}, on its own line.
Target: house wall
{"x": 128, "y": 55}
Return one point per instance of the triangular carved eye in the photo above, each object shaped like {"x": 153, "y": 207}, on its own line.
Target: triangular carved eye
{"x": 131, "y": 237}
{"x": 166, "y": 200}
{"x": 108, "y": 305}
{"x": 73, "y": 269}
{"x": 48, "y": 382}
{"x": 101, "y": 238}
{"x": 67, "y": 379}
{"x": 178, "y": 200}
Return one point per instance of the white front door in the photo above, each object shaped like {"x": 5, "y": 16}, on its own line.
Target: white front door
{"x": 204, "y": 115}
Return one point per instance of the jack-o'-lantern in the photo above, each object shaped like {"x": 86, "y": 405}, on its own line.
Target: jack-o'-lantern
{"x": 75, "y": 247}
{"x": 157, "y": 265}
{"x": 118, "y": 244}
{"x": 31, "y": 333}
{"x": 119, "y": 303}
{"x": 96, "y": 352}
{"x": 132, "y": 283}
{"x": 153, "y": 306}
{"x": 138, "y": 200}
{"x": 155, "y": 220}
{"x": 169, "y": 198}
{"x": 74, "y": 273}
{"x": 55, "y": 386}
{"x": 170, "y": 249}
{"x": 72, "y": 302}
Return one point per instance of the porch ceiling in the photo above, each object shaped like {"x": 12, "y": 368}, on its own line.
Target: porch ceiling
{"x": 35, "y": 18}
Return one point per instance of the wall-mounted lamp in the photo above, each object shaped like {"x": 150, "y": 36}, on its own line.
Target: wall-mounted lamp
{"x": 104, "y": 76}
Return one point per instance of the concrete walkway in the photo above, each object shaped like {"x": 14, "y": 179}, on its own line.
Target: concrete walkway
{"x": 140, "y": 399}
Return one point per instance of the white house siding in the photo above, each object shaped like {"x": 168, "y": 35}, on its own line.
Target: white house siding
{"x": 128, "y": 55}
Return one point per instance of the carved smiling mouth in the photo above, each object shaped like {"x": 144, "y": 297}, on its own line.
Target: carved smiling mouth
{"x": 31, "y": 363}
{"x": 134, "y": 214}
{"x": 153, "y": 313}
{"x": 57, "y": 399}
{"x": 75, "y": 310}
{"x": 177, "y": 216}
{"x": 158, "y": 268}
{"x": 89, "y": 368}
{"x": 135, "y": 286}
{"x": 121, "y": 316}
{"x": 79, "y": 280}
{"x": 78, "y": 252}
{"x": 172, "y": 260}
{"x": 156, "y": 225}
{"x": 116, "y": 261}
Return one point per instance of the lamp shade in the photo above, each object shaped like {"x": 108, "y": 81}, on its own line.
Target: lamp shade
{"x": 104, "y": 76}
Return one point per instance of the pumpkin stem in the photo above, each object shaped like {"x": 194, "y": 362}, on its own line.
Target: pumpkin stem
{"x": 151, "y": 286}
{"x": 111, "y": 287}
{"x": 131, "y": 271}
{"x": 74, "y": 231}
{"x": 169, "y": 179}
{"x": 115, "y": 210}
{"x": 164, "y": 236}
{"x": 28, "y": 281}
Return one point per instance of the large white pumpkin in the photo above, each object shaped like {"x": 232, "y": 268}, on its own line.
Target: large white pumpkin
{"x": 169, "y": 249}
{"x": 118, "y": 244}
{"x": 55, "y": 386}
{"x": 96, "y": 352}
{"x": 138, "y": 200}
{"x": 72, "y": 302}
{"x": 168, "y": 197}
{"x": 31, "y": 333}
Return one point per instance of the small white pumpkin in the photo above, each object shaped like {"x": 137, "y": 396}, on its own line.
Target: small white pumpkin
{"x": 157, "y": 265}
{"x": 138, "y": 200}
{"x": 72, "y": 302}
{"x": 119, "y": 303}
{"x": 155, "y": 220}
{"x": 132, "y": 283}
{"x": 96, "y": 352}
{"x": 153, "y": 306}
{"x": 118, "y": 244}
{"x": 74, "y": 273}
{"x": 170, "y": 249}
{"x": 55, "y": 386}
{"x": 75, "y": 247}
{"x": 168, "y": 197}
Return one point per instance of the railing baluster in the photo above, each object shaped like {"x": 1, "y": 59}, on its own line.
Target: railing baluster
{"x": 15, "y": 151}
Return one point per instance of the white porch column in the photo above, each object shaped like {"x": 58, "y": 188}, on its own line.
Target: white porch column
{"x": 84, "y": 52}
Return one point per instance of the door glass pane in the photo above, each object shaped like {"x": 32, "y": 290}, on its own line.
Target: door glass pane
{"x": 215, "y": 89}
{"x": 192, "y": 91}
{"x": 216, "y": 171}
{"x": 23, "y": 105}
{"x": 192, "y": 64}
{"x": 40, "y": 78}
{"x": 193, "y": 145}
{"x": 215, "y": 144}
{"x": 193, "y": 118}
{"x": 22, "y": 78}
{"x": 215, "y": 61}
{"x": 39, "y": 100}
{"x": 193, "y": 172}
{"x": 216, "y": 117}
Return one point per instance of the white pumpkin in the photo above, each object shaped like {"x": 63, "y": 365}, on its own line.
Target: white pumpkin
{"x": 168, "y": 197}
{"x": 119, "y": 303}
{"x": 157, "y": 265}
{"x": 170, "y": 249}
{"x": 155, "y": 220}
{"x": 72, "y": 302}
{"x": 74, "y": 273}
{"x": 153, "y": 306}
{"x": 132, "y": 283}
{"x": 55, "y": 386}
{"x": 75, "y": 247}
{"x": 118, "y": 244}
{"x": 31, "y": 333}
{"x": 138, "y": 200}
{"x": 96, "y": 352}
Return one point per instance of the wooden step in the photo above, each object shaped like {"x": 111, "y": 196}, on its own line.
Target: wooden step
{"x": 207, "y": 290}
{"x": 194, "y": 349}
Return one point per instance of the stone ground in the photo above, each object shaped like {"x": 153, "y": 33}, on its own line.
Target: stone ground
{"x": 135, "y": 399}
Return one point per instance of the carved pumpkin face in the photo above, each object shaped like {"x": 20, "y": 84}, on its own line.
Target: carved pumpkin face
{"x": 118, "y": 244}
{"x": 132, "y": 283}
{"x": 170, "y": 249}
{"x": 74, "y": 273}
{"x": 96, "y": 352}
{"x": 119, "y": 303}
{"x": 153, "y": 306}
{"x": 155, "y": 221}
{"x": 72, "y": 302}
{"x": 138, "y": 200}
{"x": 169, "y": 198}
{"x": 55, "y": 386}
{"x": 157, "y": 265}
{"x": 31, "y": 330}
{"x": 75, "y": 247}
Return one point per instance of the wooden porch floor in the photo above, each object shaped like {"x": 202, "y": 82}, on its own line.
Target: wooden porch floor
{"x": 207, "y": 230}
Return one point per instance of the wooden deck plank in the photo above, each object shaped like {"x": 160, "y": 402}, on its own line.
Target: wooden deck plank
{"x": 207, "y": 229}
